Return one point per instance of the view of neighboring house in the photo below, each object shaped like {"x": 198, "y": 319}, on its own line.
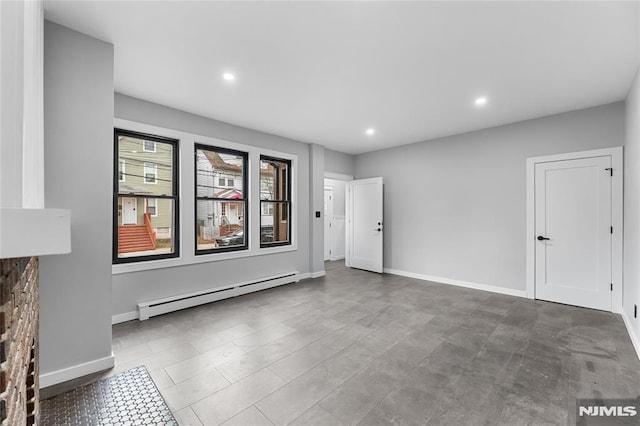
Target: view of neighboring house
{"x": 220, "y": 198}
{"x": 145, "y": 173}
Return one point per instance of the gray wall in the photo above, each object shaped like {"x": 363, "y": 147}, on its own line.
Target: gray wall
{"x": 131, "y": 288}
{"x": 339, "y": 162}
{"x": 631, "y": 277}
{"x": 75, "y": 307}
{"x": 455, "y": 207}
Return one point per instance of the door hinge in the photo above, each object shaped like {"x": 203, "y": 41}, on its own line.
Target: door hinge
{"x": 611, "y": 286}
{"x": 612, "y": 229}
{"x": 610, "y": 170}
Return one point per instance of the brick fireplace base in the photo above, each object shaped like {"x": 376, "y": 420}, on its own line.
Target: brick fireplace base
{"x": 19, "y": 399}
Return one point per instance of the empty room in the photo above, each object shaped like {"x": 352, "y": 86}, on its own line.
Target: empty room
{"x": 319, "y": 212}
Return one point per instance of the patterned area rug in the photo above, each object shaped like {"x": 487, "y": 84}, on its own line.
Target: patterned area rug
{"x": 129, "y": 398}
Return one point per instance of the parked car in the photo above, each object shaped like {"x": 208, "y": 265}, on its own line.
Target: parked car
{"x": 266, "y": 234}
{"x": 236, "y": 238}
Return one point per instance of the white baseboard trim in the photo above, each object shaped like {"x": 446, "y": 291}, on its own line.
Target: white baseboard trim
{"x": 467, "y": 284}
{"x": 134, "y": 315}
{"x": 632, "y": 334}
{"x": 127, "y": 316}
{"x": 165, "y": 305}
{"x": 70, "y": 373}
{"x": 333, "y": 259}
{"x": 317, "y": 274}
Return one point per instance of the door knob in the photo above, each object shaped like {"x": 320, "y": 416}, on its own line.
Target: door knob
{"x": 541, "y": 238}
{"x": 378, "y": 229}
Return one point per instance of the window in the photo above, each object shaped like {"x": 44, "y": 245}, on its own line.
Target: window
{"x": 148, "y": 146}
{"x": 220, "y": 211}
{"x": 122, "y": 174}
{"x": 230, "y": 182}
{"x": 150, "y": 173}
{"x": 152, "y": 207}
{"x": 145, "y": 206}
{"x": 267, "y": 209}
{"x": 275, "y": 201}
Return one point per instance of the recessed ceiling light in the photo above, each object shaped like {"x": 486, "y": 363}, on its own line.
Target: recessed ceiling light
{"x": 370, "y": 131}
{"x": 479, "y": 102}
{"x": 228, "y": 76}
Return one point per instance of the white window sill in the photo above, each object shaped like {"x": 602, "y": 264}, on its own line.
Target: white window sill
{"x": 125, "y": 268}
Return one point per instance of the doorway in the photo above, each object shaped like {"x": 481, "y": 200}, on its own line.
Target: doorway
{"x": 129, "y": 211}
{"x": 575, "y": 229}
{"x": 335, "y": 216}
{"x": 328, "y": 219}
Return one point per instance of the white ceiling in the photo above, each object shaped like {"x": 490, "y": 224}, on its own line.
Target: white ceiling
{"x": 323, "y": 72}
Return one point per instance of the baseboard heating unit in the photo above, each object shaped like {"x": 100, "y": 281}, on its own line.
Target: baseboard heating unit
{"x": 152, "y": 308}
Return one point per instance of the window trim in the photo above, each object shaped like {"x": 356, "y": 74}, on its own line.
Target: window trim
{"x": 156, "y": 206}
{"x": 187, "y": 257}
{"x": 175, "y": 197}
{"x": 144, "y": 146}
{"x": 152, "y": 166}
{"x": 245, "y": 198}
{"x": 122, "y": 171}
{"x": 287, "y": 200}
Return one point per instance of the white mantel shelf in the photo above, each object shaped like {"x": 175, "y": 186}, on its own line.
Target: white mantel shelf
{"x": 34, "y": 232}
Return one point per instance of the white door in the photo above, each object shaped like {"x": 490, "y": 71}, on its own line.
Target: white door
{"x": 573, "y": 232}
{"x": 365, "y": 224}
{"x": 129, "y": 211}
{"x": 328, "y": 219}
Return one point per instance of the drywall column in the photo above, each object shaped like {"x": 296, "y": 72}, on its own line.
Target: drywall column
{"x": 21, "y": 163}
{"x": 33, "y": 128}
{"x": 316, "y": 205}
{"x": 11, "y": 99}
{"x": 631, "y": 275}
{"x": 75, "y": 304}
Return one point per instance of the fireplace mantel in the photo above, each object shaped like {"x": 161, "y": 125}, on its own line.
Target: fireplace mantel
{"x": 34, "y": 232}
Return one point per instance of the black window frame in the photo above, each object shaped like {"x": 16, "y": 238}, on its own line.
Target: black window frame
{"x": 267, "y": 158}
{"x": 116, "y": 194}
{"x": 245, "y": 194}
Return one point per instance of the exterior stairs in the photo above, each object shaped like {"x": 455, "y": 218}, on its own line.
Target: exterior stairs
{"x": 133, "y": 238}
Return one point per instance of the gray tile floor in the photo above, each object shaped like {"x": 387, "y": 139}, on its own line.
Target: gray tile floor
{"x": 360, "y": 348}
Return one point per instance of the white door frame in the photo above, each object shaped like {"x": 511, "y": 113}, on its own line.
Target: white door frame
{"x": 371, "y": 266}
{"x": 328, "y": 240}
{"x": 616, "y": 217}
{"x": 345, "y": 178}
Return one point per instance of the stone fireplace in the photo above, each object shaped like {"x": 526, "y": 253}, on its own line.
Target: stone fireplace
{"x": 19, "y": 399}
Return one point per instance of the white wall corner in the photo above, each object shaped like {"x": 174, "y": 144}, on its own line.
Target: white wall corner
{"x": 318, "y": 274}
{"x": 73, "y": 372}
